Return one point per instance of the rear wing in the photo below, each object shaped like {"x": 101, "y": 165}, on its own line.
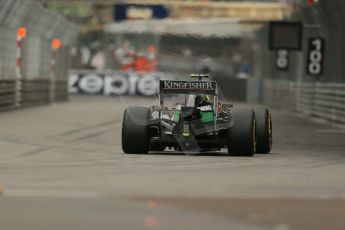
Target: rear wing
{"x": 188, "y": 87}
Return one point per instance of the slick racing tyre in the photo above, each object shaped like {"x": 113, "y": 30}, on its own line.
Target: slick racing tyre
{"x": 242, "y": 136}
{"x": 135, "y": 138}
{"x": 263, "y": 130}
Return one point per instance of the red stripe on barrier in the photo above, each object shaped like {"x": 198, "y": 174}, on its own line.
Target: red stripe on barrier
{"x": 19, "y": 44}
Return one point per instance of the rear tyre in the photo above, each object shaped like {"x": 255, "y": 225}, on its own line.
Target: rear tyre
{"x": 242, "y": 136}
{"x": 263, "y": 130}
{"x": 135, "y": 138}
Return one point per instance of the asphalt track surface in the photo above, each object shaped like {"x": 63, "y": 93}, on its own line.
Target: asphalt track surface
{"x": 62, "y": 167}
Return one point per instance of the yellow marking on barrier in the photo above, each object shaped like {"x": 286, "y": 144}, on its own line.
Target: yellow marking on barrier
{"x": 254, "y": 135}
{"x": 270, "y": 131}
{"x": 1, "y": 190}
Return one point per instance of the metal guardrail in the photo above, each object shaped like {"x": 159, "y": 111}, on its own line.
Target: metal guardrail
{"x": 7, "y": 94}
{"x": 61, "y": 91}
{"x": 323, "y": 100}
{"x": 35, "y": 92}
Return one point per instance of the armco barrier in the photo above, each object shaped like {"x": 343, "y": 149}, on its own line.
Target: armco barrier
{"x": 7, "y": 94}
{"x": 61, "y": 91}
{"x": 323, "y": 100}
{"x": 35, "y": 92}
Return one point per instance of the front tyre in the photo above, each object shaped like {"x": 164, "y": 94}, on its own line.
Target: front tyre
{"x": 242, "y": 136}
{"x": 135, "y": 138}
{"x": 263, "y": 130}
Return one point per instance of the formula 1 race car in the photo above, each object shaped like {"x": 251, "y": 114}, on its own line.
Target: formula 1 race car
{"x": 197, "y": 122}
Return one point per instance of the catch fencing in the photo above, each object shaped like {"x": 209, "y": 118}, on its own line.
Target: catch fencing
{"x": 31, "y": 72}
{"x": 295, "y": 89}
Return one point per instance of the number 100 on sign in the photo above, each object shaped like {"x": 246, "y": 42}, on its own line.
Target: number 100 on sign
{"x": 315, "y": 56}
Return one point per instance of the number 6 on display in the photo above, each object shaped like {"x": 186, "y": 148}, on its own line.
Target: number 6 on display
{"x": 282, "y": 60}
{"x": 315, "y": 56}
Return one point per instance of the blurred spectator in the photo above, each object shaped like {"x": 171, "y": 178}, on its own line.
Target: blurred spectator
{"x": 98, "y": 61}
{"x": 245, "y": 70}
{"x": 127, "y": 62}
{"x": 140, "y": 63}
{"x": 85, "y": 55}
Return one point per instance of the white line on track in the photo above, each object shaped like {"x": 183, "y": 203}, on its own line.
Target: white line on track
{"x": 94, "y": 194}
{"x": 50, "y": 193}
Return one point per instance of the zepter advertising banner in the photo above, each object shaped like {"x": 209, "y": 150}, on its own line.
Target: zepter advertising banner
{"x": 115, "y": 83}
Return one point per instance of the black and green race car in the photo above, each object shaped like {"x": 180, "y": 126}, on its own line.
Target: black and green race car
{"x": 198, "y": 122}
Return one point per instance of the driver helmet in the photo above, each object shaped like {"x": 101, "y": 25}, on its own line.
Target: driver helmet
{"x": 206, "y": 98}
{"x": 199, "y": 99}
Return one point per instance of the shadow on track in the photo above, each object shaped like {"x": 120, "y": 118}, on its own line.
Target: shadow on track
{"x": 200, "y": 154}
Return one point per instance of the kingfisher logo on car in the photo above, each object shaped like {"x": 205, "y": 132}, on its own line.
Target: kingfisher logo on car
{"x": 188, "y": 86}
